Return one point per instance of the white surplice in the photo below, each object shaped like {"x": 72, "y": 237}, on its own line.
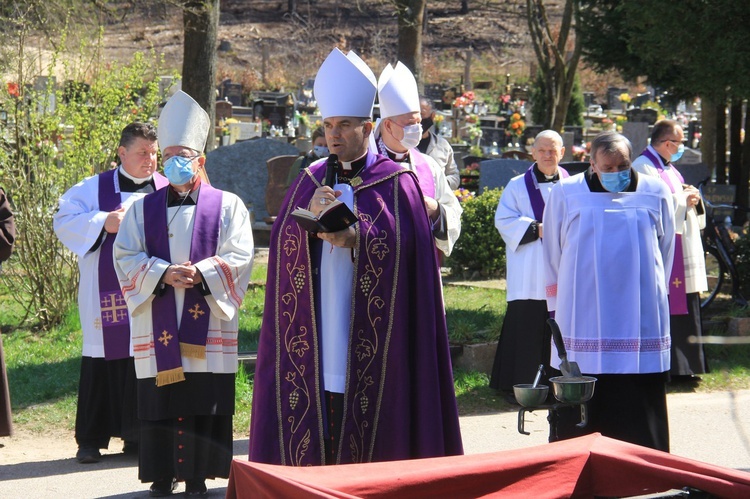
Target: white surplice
{"x": 607, "y": 259}
{"x": 514, "y": 214}
{"x": 687, "y": 222}
{"x": 227, "y": 275}
{"x": 78, "y": 224}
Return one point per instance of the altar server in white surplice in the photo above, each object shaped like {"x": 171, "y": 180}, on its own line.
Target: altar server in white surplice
{"x": 183, "y": 256}
{"x": 525, "y": 339}
{"x": 396, "y": 136}
{"x": 87, "y": 221}
{"x": 608, "y": 245}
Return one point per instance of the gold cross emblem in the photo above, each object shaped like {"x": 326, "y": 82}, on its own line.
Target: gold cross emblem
{"x": 355, "y": 181}
{"x": 165, "y": 337}
{"x": 676, "y": 283}
{"x": 196, "y": 311}
{"x": 114, "y": 308}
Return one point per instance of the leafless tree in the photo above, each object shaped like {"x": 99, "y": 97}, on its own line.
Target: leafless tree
{"x": 557, "y": 63}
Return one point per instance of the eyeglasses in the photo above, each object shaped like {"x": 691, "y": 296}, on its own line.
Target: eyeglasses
{"x": 676, "y": 142}
{"x": 186, "y": 156}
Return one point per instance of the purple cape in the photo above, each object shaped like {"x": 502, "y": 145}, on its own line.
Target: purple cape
{"x": 400, "y": 402}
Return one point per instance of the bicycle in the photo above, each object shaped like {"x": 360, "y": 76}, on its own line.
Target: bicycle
{"x": 719, "y": 253}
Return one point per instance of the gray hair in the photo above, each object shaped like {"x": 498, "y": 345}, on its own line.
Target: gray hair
{"x": 610, "y": 143}
{"x": 549, "y": 134}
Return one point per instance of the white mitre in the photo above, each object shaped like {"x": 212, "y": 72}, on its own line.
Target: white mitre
{"x": 183, "y": 122}
{"x": 397, "y": 91}
{"x": 345, "y": 86}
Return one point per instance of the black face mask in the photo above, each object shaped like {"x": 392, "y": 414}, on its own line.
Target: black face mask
{"x": 427, "y": 123}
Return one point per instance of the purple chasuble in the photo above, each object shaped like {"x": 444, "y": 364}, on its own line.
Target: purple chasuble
{"x": 399, "y": 401}
{"x": 190, "y": 339}
{"x": 535, "y": 196}
{"x": 677, "y": 292}
{"x": 112, "y": 306}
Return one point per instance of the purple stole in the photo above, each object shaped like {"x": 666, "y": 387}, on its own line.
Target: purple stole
{"x": 677, "y": 293}
{"x": 170, "y": 342}
{"x": 112, "y": 306}
{"x": 423, "y": 171}
{"x": 535, "y": 195}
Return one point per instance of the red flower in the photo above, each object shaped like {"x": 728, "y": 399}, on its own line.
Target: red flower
{"x": 13, "y": 89}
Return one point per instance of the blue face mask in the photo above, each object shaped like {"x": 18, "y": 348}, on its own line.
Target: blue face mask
{"x": 321, "y": 151}
{"x": 615, "y": 181}
{"x": 676, "y": 156}
{"x": 179, "y": 170}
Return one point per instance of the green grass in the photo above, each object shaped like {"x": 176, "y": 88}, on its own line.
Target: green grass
{"x": 43, "y": 366}
{"x": 474, "y": 314}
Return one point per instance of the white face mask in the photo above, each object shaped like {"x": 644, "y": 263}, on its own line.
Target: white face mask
{"x": 412, "y": 136}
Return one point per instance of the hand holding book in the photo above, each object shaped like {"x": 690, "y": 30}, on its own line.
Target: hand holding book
{"x": 334, "y": 217}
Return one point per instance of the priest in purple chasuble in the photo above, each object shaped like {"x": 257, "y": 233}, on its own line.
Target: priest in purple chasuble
{"x": 353, "y": 361}
{"x": 396, "y": 136}
{"x": 183, "y": 258}
{"x": 688, "y": 277}
{"x": 86, "y": 222}
{"x": 608, "y": 246}
{"x": 525, "y": 339}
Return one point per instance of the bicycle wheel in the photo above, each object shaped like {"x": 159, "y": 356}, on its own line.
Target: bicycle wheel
{"x": 714, "y": 275}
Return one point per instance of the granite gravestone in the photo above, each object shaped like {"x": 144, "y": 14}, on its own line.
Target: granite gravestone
{"x": 638, "y": 135}
{"x": 498, "y": 172}
{"x": 241, "y": 169}
{"x": 568, "y": 143}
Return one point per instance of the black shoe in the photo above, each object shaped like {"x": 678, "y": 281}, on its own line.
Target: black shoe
{"x": 88, "y": 455}
{"x": 130, "y": 448}
{"x": 196, "y": 488}
{"x": 162, "y": 488}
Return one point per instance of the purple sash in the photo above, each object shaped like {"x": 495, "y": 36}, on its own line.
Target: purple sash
{"x": 112, "y": 306}
{"x": 170, "y": 342}
{"x": 535, "y": 195}
{"x": 677, "y": 292}
{"x": 424, "y": 173}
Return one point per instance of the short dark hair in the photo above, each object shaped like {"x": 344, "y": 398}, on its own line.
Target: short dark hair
{"x": 134, "y": 130}
{"x": 663, "y": 128}
{"x": 611, "y": 143}
{"x": 318, "y": 132}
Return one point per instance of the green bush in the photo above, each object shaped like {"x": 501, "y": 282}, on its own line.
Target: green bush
{"x": 480, "y": 247}
{"x": 54, "y": 135}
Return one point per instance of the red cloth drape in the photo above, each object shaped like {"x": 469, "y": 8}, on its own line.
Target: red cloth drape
{"x": 588, "y": 466}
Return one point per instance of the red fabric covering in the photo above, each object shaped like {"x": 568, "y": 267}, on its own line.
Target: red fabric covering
{"x": 583, "y": 467}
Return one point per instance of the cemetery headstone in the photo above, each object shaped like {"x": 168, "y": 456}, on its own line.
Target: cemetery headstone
{"x": 637, "y": 133}
{"x": 223, "y": 110}
{"x": 690, "y": 156}
{"x": 613, "y": 97}
{"x": 577, "y": 133}
{"x": 720, "y": 194}
{"x": 694, "y": 173}
{"x": 493, "y": 135}
{"x": 496, "y": 173}
{"x": 646, "y": 115}
{"x": 568, "y": 143}
{"x": 233, "y": 93}
{"x": 241, "y": 169}
{"x": 640, "y": 99}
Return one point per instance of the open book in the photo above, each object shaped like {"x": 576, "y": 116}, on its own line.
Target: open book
{"x": 335, "y": 217}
